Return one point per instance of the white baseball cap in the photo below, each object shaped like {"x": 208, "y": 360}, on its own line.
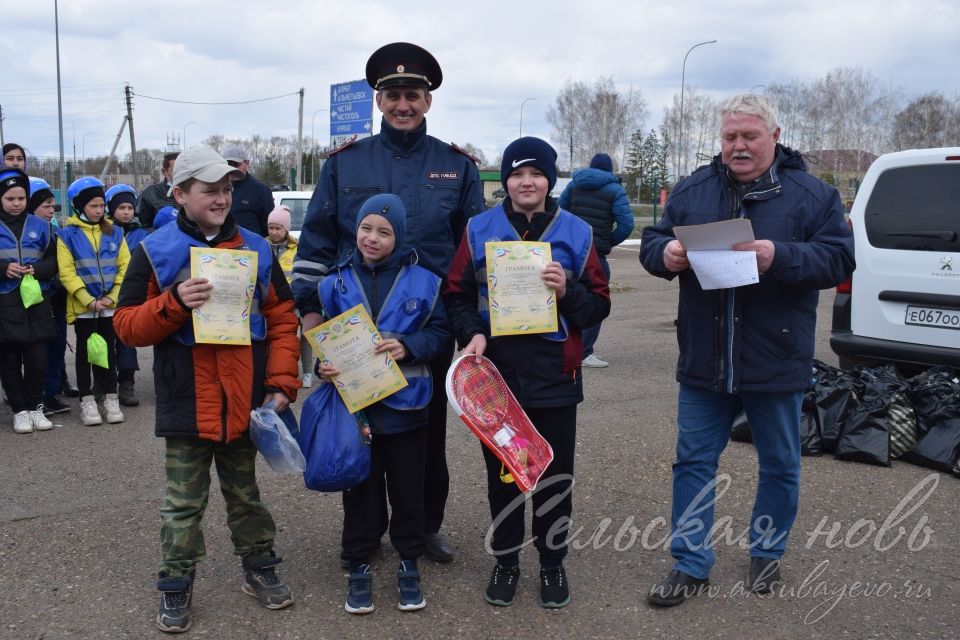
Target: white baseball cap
{"x": 203, "y": 164}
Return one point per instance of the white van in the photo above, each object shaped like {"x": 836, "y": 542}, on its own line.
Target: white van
{"x": 297, "y": 201}
{"x": 902, "y": 305}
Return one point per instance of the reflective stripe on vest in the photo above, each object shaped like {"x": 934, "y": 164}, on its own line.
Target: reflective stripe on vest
{"x": 570, "y": 240}
{"x": 406, "y": 310}
{"x": 96, "y": 266}
{"x": 168, "y": 250}
{"x": 28, "y": 249}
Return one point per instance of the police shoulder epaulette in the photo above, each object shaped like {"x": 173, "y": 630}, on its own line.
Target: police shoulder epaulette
{"x": 345, "y": 145}
{"x": 460, "y": 149}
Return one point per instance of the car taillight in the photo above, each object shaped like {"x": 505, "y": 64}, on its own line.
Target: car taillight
{"x": 847, "y": 285}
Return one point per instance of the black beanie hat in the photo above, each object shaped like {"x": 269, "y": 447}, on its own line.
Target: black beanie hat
{"x": 11, "y": 177}
{"x": 529, "y": 151}
{"x": 602, "y": 161}
{"x": 124, "y": 197}
{"x": 38, "y": 198}
{"x": 82, "y": 199}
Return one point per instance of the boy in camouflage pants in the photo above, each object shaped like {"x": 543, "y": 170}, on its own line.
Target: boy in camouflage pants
{"x": 205, "y": 391}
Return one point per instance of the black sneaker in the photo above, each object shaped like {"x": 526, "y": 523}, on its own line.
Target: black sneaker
{"x": 53, "y": 405}
{"x": 554, "y": 590}
{"x": 502, "y": 586}
{"x": 261, "y": 581}
{"x": 127, "y": 394}
{"x": 176, "y": 597}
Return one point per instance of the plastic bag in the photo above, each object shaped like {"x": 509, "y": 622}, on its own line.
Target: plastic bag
{"x": 865, "y": 437}
{"x": 30, "y": 291}
{"x": 939, "y": 449}
{"x": 97, "y": 351}
{"x": 273, "y": 440}
{"x": 335, "y": 442}
{"x": 810, "y": 441}
{"x": 837, "y": 394}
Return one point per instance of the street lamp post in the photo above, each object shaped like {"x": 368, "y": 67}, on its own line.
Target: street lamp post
{"x": 525, "y": 101}
{"x": 683, "y": 76}
{"x": 183, "y": 144}
{"x": 313, "y": 143}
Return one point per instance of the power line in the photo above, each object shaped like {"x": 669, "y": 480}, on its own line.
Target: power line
{"x": 286, "y": 95}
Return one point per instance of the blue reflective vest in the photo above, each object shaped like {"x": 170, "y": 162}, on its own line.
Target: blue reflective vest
{"x": 27, "y": 249}
{"x": 96, "y": 266}
{"x": 135, "y": 237}
{"x": 406, "y": 310}
{"x": 570, "y": 240}
{"x": 168, "y": 250}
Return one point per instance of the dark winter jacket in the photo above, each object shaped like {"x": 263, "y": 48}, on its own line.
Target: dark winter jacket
{"x": 540, "y": 372}
{"x": 151, "y": 200}
{"x": 36, "y": 324}
{"x": 252, "y": 204}
{"x": 207, "y": 390}
{"x": 439, "y": 185}
{"x": 758, "y": 337}
{"x": 597, "y": 197}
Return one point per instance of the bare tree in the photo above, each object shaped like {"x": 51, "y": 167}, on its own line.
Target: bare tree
{"x": 928, "y": 121}
{"x": 595, "y": 119}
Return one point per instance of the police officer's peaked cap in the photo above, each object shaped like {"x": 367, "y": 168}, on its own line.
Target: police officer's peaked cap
{"x": 403, "y": 64}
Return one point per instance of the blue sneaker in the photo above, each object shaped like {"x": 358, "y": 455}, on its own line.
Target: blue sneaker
{"x": 408, "y": 586}
{"x": 360, "y": 590}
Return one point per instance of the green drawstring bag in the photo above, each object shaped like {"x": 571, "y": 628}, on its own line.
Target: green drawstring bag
{"x": 97, "y": 350}
{"x": 30, "y": 291}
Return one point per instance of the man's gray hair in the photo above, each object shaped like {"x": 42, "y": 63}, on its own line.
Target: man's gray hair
{"x": 752, "y": 104}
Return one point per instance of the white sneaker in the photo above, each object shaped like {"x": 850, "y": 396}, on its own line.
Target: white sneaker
{"x": 111, "y": 405}
{"x": 89, "y": 414}
{"x": 22, "y": 422}
{"x": 307, "y": 380}
{"x": 40, "y": 422}
{"x": 593, "y": 362}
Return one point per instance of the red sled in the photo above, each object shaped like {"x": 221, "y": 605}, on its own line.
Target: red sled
{"x": 484, "y": 402}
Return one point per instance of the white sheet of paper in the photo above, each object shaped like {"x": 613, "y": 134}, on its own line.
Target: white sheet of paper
{"x": 714, "y": 235}
{"x": 724, "y": 269}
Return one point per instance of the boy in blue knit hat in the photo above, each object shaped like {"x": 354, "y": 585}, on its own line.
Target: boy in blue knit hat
{"x": 404, "y": 301}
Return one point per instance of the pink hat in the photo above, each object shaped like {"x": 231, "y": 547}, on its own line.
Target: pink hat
{"x": 281, "y": 216}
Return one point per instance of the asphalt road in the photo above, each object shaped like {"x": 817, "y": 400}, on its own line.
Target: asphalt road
{"x": 79, "y": 529}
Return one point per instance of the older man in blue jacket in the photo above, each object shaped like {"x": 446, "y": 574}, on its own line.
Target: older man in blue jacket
{"x": 750, "y": 347}
{"x": 440, "y": 187}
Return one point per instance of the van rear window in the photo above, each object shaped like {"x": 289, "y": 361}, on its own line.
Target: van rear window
{"x": 298, "y": 210}
{"x": 916, "y": 208}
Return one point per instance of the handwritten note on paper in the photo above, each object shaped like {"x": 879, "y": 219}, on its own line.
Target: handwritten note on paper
{"x": 724, "y": 269}
{"x": 715, "y": 264}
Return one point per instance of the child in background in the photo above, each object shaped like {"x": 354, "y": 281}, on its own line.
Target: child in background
{"x": 284, "y": 246}
{"x": 404, "y": 301}
{"x": 542, "y": 370}
{"x": 205, "y": 391}
{"x": 121, "y": 207}
{"x": 14, "y": 156}
{"x": 92, "y": 258}
{"x": 27, "y": 248}
{"x": 43, "y": 205}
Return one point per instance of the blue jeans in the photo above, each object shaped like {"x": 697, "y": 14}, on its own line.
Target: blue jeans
{"x": 704, "y": 419}
{"x": 590, "y": 334}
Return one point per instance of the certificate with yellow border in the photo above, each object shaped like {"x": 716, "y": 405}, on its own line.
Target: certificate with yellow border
{"x": 347, "y": 342}
{"x": 520, "y": 301}
{"x": 225, "y": 317}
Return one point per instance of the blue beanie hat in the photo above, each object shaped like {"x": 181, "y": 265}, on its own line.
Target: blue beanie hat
{"x": 164, "y": 215}
{"x": 602, "y": 161}
{"x": 529, "y": 151}
{"x": 390, "y": 207}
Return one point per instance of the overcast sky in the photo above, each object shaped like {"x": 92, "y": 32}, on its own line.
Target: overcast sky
{"x": 494, "y": 54}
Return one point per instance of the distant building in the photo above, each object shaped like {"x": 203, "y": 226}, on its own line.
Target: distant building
{"x": 843, "y": 168}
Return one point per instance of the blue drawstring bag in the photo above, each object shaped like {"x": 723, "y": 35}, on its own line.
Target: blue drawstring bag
{"x": 274, "y": 436}
{"x": 334, "y": 443}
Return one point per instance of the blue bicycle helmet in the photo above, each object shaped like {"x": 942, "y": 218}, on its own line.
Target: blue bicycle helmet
{"x": 164, "y": 215}
{"x": 118, "y": 189}
{"x": 39, "y": 184}
{"x": 79, "y": 186}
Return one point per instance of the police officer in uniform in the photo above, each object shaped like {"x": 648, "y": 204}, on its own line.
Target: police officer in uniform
{"x": 440, "y": 188}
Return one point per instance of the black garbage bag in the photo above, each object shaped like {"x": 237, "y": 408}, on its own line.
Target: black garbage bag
{"x": 810, "y": 441}
{"x": 740, "y": 432}
{"x": 881, "y": 383}
{"x": 837, "y": 394}
{"x": 902, "y": 423}
{"x": 939, "y": 448}
{"x": 864, "y": 436}
{"x": 935, "y": 396}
